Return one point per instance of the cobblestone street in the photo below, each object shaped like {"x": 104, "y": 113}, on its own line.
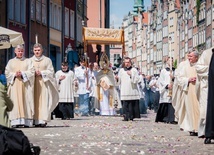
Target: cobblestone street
{"x": 103, "y": 135}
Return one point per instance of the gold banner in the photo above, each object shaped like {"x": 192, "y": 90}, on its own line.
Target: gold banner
{"x": 103, "y": 36}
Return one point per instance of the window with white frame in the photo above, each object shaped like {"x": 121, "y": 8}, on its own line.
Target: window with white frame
{"x": 67, "y": 22}
{"x": 55, "y": 16}
{"x": 155, "y": 56}
{"x": 194, "y": 3}
{"x": 182, "y": 35}
{"x": 197, "y": 39}
{"x": 199, "y": 34}
{"x": 165, "y": 31}
{"x": 79, "y": 28}
{"x": 23, "y": 12}
{"x": 204, "y": 35}
{"x": 71, "y": 24}
{"x": 59, "y": 24}
{"x": 38, "y": 10}
{"x": 194, "y": 21}
{"x": 165, "y": 49}
{"x": 204, "y": 16}
{"x": 44, "y": 12}
{"x": 11, "y": 9}
{"x": 186, "y": 29}
{"x": 213, "y": 12}
{"x": 148, "y": 58}
{"x": 161, "y": 55}
{"x": 212, "y": 37}
{"x": 151, "y": 55}
{"x": 17, "y": 11}
{"x": 155, "y": 36}
{"x": 190, "y": 33}
{"x": 186, "y": 47}
{"x": 55, "y": 20}
{"x": 172, "y": 35}
{"x": 165, "y": 15}
{"x": 151, "y": 71}
{"x": 151, "y": 36}
{"x": 208, "y": 43}
{"x": 193, "y": 41}
{"x": 171, "y": 20}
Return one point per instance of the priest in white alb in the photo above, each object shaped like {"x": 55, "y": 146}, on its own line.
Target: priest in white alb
{"x": 202, "y": 69}
{"x": 20, "y": 80}
{"x": 190, "y": 106}
{"x": 46, "y": 95}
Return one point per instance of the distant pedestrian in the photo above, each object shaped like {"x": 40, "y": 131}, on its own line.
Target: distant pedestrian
{"x": 141, "y": 86}
{"x": 84, "y": 84}
{"x": 166, "y": 111}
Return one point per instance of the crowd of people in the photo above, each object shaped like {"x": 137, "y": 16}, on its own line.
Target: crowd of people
{"x": 181, "y": 95}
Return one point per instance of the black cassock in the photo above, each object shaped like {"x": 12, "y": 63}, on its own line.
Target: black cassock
{"x": 209, "y": 129}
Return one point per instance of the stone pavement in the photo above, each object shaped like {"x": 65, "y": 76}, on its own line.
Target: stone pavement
{"x": 106, "y": 135}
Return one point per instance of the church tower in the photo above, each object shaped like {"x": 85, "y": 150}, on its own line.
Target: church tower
{"x": 138, "y": 6}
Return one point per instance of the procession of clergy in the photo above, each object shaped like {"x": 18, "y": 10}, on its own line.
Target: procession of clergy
{"x": 35, "y": 90}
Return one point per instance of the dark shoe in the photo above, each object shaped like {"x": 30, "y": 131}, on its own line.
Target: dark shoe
{"x": 43, "y": 125}
{"x": 207, "y": 141}
{"x": 35, "y": 149}
{"x": 201, "y": 136}
{"x": 173, "y": 122}
{"x": 193, "y": 133}
{"x": 125, "y": 119}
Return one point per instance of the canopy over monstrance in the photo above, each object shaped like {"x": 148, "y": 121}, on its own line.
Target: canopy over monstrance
{"x": 103, "y": 36}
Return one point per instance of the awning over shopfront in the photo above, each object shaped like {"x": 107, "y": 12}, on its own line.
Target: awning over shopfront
{"x": 10, "y": 38}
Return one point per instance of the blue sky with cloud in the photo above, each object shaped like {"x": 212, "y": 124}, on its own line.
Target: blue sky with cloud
{"x": 121, "y": 8}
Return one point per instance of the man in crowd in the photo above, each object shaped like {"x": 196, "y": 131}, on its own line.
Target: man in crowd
{"x": 66, "y": 81}
{"x": 20, "y": 77}
{"x": 154, "y": 93}
{"x": 141, "y": 86}
{"x": 128, "y": 78}
{"x": 177, "y": 94}
{"x": 166, "y": 111}
{"x": 84, "y": 89}
{"x": 147, "y": 91}
{"x": 92, "y": 74}
{"x": 189, "y": 117}
{"x": 45, "y": 89}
